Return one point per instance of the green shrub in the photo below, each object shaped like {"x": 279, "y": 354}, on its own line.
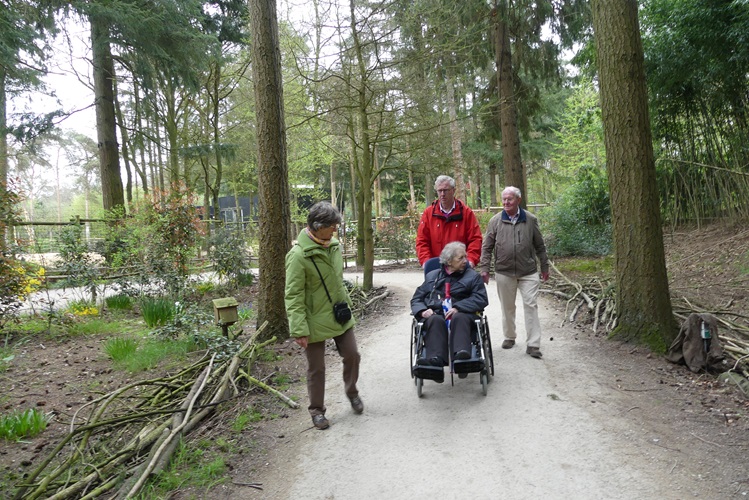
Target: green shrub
{"x": 156, "y": 311}
{"x": 230, "y": 255}
{"x": 77, "y": 265}
{"x": 205, "y": 287}
{"x": 23, "y": 424}
{"x": 156, "y": 241}
{"x": 83, "y": 308}
{"x": 579, "y": 222}
{"x": 12, "y": 272}
{"x": 397, "y": 235}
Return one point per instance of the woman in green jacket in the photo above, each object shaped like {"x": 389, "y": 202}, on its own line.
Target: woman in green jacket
{"x": 314, "y": 285}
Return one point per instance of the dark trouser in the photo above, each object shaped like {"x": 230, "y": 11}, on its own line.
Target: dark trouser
{"x": 436, "y": 334}
{"x": 346, "y": 344}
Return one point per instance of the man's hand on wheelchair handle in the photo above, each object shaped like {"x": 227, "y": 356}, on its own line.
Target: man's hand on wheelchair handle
{"x": 485, "y": 277}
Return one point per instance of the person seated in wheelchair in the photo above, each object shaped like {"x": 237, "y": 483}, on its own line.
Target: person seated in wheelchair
{"x": 469, "y": 297}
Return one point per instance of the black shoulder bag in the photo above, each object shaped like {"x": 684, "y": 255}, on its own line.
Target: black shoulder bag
{"x": 341, "y": 310}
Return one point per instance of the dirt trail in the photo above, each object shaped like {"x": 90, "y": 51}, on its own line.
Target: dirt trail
{"x": 578, "y": 424}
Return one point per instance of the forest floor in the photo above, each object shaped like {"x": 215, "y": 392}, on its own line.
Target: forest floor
{"x": 708, "y": 268}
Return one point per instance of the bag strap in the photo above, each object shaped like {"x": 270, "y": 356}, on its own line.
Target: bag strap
{"x": 323, "y": 281}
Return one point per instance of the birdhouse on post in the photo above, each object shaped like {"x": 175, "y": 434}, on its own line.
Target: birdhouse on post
{"x": 225, "y": 312}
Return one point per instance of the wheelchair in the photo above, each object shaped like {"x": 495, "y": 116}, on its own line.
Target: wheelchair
{"x": 481, "y": 360}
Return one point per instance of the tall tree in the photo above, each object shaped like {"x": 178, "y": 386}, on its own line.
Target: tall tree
{"x": 23, "y": 26}
{"x": 113, "y": 194}
{"x": 273, "y": 180}
{"x": 642, "y": 295}
{"x": 508, "y": 114}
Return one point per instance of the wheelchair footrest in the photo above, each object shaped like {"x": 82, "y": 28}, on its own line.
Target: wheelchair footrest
{"x": 427, "y": 372}
{"x": 468, "y": 365}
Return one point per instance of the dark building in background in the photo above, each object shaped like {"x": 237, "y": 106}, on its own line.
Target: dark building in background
{"x": 231, "y": 209}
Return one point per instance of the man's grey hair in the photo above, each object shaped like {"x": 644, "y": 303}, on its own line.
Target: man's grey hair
{"x": 450, "y": 251}
{"x": 442, "y": 179}
{"x": 323, "y": 214}
{"x": 513, "y": 190}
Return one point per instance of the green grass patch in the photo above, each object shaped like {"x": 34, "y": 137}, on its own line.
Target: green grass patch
{"x": 281, "y": 381}
{"x": 120, "y": 349}
{"x": 191, "y": 466}
{"x": 268, "y": 355}
{"x": 581, "y": 265}
{"x": 151, "y": 353}
{"x": 744, "y": 268}
{"x": 94, "y": 326}
{"x": 22, "y": 424}
{"x": 157, "y": 311}
{"x": 6, "y": 356}
{"x": 245, "y": 418}
{"x": 246, "y": 313}
{"x": 119, "y": 302}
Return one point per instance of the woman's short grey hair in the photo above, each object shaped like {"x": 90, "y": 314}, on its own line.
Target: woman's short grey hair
{"x": 444, "y": 178}
{"x": 323, "y": 214}
{"x": 513, "y": 190}
{"x": 451, "y": 251}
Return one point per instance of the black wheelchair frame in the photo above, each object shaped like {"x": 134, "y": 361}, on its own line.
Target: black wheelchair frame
{"x": 481, "y": 361}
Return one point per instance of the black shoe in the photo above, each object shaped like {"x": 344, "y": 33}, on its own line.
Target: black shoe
{"x": 320, "y": 422}
{"x": 437, "y": 361}
{"x": 462, "y": 375}
{"x": 423, "y": 362}
{"x": 462, "y": 355}
{"x": 533, "y": 352}
{"x": 357, "y": 405}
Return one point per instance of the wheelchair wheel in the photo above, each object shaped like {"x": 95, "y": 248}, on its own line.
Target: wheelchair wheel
{"x": 413, "y": 352}
{"x": 487, "y": 342}
{"x": 484, "y": 381}
{"x": 419, "y": 385}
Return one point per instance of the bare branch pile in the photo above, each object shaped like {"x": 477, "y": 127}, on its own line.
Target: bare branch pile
{"x": 594, "y": 301}
{"x": 119, "y": 440}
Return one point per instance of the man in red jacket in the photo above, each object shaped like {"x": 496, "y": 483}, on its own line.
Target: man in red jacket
{"x": 447, "y": 220}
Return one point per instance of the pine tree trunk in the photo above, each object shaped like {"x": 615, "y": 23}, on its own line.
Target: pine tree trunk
{"x": 273, "y": 178}
{"x": 642, "y": 294}
{"x": 456, "y": 140}
{"x": 366, "y": 168}
{"x": 109, "y": 159}
{"x": 507, "y": 108}
{"x": 3, "y": 135}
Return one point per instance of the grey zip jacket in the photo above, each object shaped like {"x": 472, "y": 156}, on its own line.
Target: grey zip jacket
{"x": 515, "y": 246}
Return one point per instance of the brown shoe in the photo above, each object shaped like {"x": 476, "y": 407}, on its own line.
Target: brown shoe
{"x": 533, "y": 352}
{"x": 357, "y": 405}
{"x": 508, "y": 343}
{"x": 320, "y": 422}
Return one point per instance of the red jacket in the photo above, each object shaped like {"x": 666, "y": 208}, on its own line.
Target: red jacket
{"x": 436, "y": 231}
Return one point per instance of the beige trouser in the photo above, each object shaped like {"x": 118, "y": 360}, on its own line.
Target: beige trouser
{"x": 346, "y": 344}
{"x": 507, "y": 288}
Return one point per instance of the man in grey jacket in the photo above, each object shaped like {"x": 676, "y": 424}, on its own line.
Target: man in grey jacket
{"x": 513, "y": 236}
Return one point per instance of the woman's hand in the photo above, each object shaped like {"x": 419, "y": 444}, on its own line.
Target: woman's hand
{"x": 301, "y": 341}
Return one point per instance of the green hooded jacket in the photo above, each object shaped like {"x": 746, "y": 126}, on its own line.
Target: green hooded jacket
{"x": 307, "y": 306}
